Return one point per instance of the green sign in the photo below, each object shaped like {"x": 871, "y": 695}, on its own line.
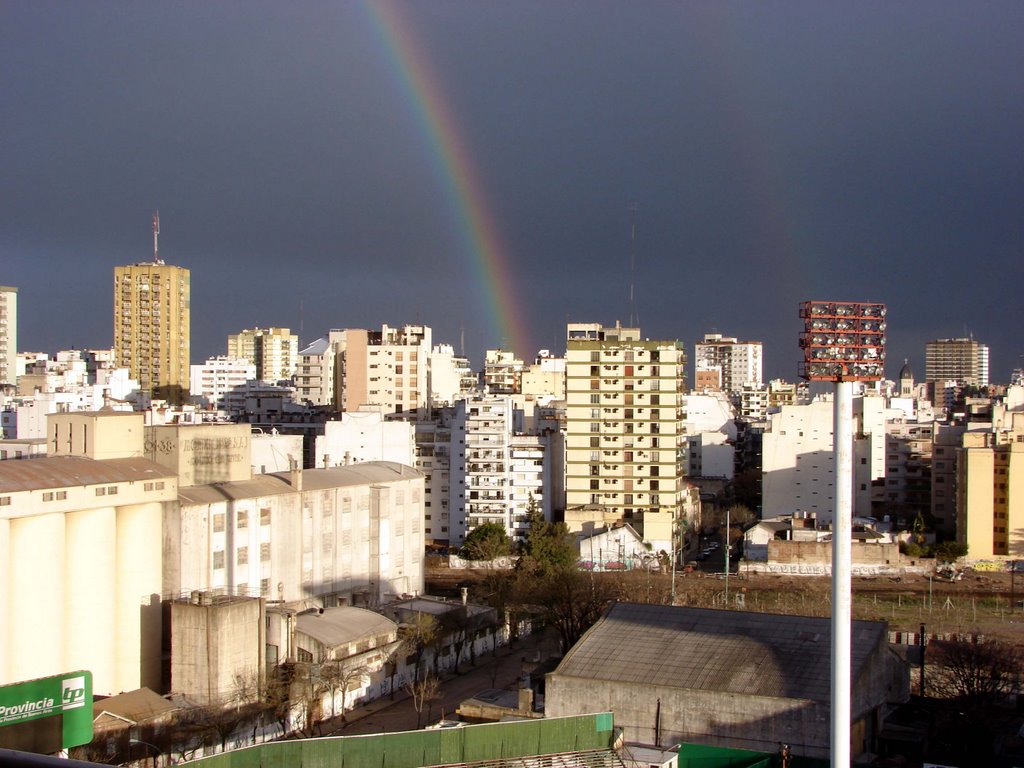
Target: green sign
{"x": 68, "y": 695}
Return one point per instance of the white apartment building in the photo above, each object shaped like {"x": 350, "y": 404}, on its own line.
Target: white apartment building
{"x": 545, "y": 378}
{"x": 503, "y": 372}
{"x": 624, "y": 434}
{"x": 724, "y": 362}
{"x": 797, "y": 457}
{"x": 315, "y": 374}
{"x": 274, "y": 351}
{"x": 8, "y": 335}
{"x": 433, "y": 459}
{"x": 495, "y": 469}
{"x": 450, "y": 376}
{"x": 341, "y": 536}
{"x": 219, "y": 383}
{"x": 365, "y": 435}
{"x": 710, "y": 435}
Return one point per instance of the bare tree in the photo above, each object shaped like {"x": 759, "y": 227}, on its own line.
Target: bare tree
{"x": 977, "y": 676}
{"x": 423, "y": 691}
{"x": 338, "y": 676}
{"x": 418, "y": 635}
{"x": 979, "y": 673}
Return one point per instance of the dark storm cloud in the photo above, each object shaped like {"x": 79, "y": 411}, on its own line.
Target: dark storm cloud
{"x": 777, "y": 152}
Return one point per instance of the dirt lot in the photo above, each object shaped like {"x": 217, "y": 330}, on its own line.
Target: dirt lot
{"x": 980, "y": 603}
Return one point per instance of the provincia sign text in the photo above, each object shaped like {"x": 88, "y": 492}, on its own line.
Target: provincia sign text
{"x": 68, "y": 695}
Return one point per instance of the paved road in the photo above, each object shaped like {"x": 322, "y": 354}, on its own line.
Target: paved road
{"x": 502, "y": 671}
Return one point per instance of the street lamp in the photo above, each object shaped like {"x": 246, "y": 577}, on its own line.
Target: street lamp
{"x": 843, "y": 342}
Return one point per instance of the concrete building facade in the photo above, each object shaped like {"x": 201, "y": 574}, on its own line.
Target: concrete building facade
{"x": 152, "y": 315}
{"x": 962, "y": 360}
{"x": 8, "y": 335}
{"x": 624, "y": 433}
{"x": 219, "y": 383}
{"x": 344, "y": 535}
{"x": 273, "y": 351}
{"x": 724, "y": 362}
{"x": 81, "y": 542}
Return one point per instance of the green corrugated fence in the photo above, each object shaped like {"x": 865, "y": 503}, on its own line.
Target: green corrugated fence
{"x": 414, "y": 749}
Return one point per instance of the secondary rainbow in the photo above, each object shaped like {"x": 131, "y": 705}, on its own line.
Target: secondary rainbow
{"x": 454, "y": 166}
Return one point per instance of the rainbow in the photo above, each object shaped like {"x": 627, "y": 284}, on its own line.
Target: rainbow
{"x": 453, "y": 163}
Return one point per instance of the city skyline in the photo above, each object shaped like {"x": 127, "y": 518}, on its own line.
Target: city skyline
{"x": 460, "y": 166}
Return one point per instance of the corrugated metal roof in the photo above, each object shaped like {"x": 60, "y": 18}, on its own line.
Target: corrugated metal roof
{"x": 343, "y": 625}
{"x": 739, "y": 652}
{"x": 312, "y": 480}
{"x": 71, "y": 471}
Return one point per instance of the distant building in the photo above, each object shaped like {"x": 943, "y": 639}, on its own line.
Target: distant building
{"x": 725, "y": 678}
{"x": 219, "y": 383}
{"x": 273, "y": 351}
{"x": 8, "y": 335}
{"x": 962, "y": 360}
{"x": 503, "y": 372}
{"x": 152, "y": 327}
{"x": 724, "y": 362}
{"x": 314, "y": 377}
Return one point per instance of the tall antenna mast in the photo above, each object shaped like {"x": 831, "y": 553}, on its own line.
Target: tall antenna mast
{"x": 156, "y": 238}
{"x": 632, "y": 207}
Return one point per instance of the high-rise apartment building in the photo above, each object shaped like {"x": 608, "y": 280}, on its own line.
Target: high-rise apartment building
{"x": 624, "y": 432}
{"x": 274, "y": 351}
{"x": 8, "y": 335}
{"x": 151, "y": 324}
{"x": 724, "y": 362}
{"x": 961, "y": 360}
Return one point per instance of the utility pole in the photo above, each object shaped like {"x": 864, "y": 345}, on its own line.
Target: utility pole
{"x": 728, "y": 510}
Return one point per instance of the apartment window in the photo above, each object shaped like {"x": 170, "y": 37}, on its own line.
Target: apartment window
{"x": 48, "y": 496}
{"x": 101, "y": 491}
{"x": 595, "y": 442}
{"x": 595, "y": 399}
{"x": 242, "y": 521}
{"x": 595, "y": 485}
{"x": 265, "y": 516}
{"x": 264, "y": 551}
{"x": 218, "y": 523}
{"x": 5, "y": 501}
{"x": 595, "y": 426}
{"x": 243, "y": 555}
{"x": 218, "y": 559}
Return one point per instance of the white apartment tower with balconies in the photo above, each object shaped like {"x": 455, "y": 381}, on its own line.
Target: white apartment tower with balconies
{"x": 724, "y": 362}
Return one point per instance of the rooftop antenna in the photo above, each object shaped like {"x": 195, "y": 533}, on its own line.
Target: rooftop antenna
{"x": 156, "y": 238}
{"x": 632, "y": 207}
{"x": 462, "y": 339}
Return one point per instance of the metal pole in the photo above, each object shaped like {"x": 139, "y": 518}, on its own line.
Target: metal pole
{"x": 842, "y": 555}
{"x": 727, "y": 511}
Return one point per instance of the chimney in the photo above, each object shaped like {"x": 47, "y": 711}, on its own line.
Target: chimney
{"x": 525, "y": 700}
{"x": 295, "y": 474}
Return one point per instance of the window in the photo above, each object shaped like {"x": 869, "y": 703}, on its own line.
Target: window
{"x": 242, "y": 520}
{"x": 264, "y": 551}
{"x": 218, "y": 559}
{"x": 243, "y": 555}
{"x": 101, "y": 491}
{"x": 218, "y": 523}
{"x": 48, "y": 496}
{"x": 265, "y": 516}
{"x": 5, "y": 501}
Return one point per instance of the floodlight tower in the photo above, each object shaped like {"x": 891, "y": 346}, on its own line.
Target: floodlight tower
{"x": 843, "y": 342}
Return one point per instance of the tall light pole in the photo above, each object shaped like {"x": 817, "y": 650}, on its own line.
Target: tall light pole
{"x": 843, "y": 342}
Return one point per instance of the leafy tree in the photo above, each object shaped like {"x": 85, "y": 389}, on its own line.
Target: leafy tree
{"x": 487, "y": 542}
{"x": 949, "y": 551}
{"x": 548, "y": 545}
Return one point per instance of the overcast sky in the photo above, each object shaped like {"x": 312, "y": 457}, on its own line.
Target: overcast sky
{"x": 776, "y": 152}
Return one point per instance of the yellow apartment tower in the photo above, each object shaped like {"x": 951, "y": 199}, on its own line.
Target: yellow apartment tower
{"x": 624, "y": 434}
{"x": 151, "y": 324}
